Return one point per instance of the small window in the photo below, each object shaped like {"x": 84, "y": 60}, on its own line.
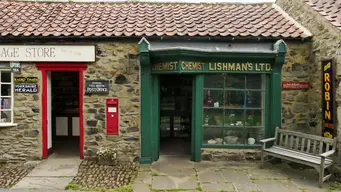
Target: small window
{"x": 6, "y": 96}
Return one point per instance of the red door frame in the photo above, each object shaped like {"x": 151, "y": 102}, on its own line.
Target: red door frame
{"x": 44, "y": 67}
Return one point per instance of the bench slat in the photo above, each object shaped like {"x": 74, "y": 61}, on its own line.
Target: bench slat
{"x": 297, "y": 142}
{"x": 304, "y": 135}
{"x": 291, "y": 141}
{"x": 302, "y": 144}
{"x": 308, "y": 146}
{"x": 281, "y": 140}
{"x": 298, "y": 155}
{"x": 321, "y": 147}
{"x": 314, "y": 147}
{"x": 286, "y": 140}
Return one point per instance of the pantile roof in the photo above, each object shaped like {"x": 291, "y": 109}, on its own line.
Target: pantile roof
{"x": 146, "y": 19}
{"x": 329, "y": 9}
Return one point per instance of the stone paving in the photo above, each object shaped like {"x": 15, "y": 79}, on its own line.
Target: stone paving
{"x": 180, "y": 174}
{"x": 11, "y": 173}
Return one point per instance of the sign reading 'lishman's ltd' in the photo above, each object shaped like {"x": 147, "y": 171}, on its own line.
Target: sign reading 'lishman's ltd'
{"x": 47, "y": 53}
{"x": 213, "y": 66}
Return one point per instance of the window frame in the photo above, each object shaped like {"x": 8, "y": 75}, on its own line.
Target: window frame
{"x": 7, "y": 70}
{"x": 264, "y": 89}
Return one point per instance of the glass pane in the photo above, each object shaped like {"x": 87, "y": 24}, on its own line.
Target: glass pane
{"x": 235, "y": 81}
{"x": 6, "y": 103}
{"x": 5, "y": 77}
{"x": 214, "y": 81}
{"x": 234, "y": 117}
{"x": 212, "y": 135}
{"x": 254, "y": 81}
{"x": 213, "y": 117}
{"x": 5, "y": 117}
{"x": 255, "y": 99}
{"x": 5, "y": 90}
{"x": 254, "y": 135}
{"x": 234, "y": 136}
{"x": 255, "y": 117}
{"x": 234, "y": 99}
{"x": 213, "y": 98}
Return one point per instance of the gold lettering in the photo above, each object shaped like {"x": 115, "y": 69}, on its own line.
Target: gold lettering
{"x": 225, "y": 66}
{"x": 326, "y": 77}
{"x": 232, "y": 66}
{"x": 327, "y": 115}
{"x": 327, "y": 86}
{"x": 238, "y": 67}
{"x": 268, "y": 67}
{"x": 257, "y": 69}
{"x": 244, "y": 66}
{"x": 219, "y": 67}
{"x": 210, "y": 67}
{"x": 261, "y": 66}
{"x": 328, "y": 105}
{"x": 250, "y": 66}
{"x": 327, "y": 96}
{"x": 183, "y": 65}
{"x": 327, "y": 66}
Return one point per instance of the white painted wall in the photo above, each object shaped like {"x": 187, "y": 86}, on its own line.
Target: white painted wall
{"x": 165, "y": 1}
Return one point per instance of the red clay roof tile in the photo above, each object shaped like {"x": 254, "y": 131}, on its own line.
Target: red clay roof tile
{"x": 329, "y": 9}
{"x": 142, "y": 19}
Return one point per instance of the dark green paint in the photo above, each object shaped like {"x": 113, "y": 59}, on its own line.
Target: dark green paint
{"x": 150, "y": 113}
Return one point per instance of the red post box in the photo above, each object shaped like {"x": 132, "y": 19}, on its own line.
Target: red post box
{"x": 112, "y": 116}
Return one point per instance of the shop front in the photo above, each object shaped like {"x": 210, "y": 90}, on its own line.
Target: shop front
{"x": 213, "y": 96}
{"x": 45, "y": 97}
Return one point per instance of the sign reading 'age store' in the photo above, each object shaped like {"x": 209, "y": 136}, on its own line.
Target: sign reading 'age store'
{"x": 48, "y": 53}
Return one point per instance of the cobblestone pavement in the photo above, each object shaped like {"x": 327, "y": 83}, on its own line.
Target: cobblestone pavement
{"x": 181, "y": 174}
{"x": 11, "y": 173}
{"x": 92, "y": 175}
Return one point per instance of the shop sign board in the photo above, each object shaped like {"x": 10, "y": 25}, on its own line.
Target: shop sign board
{"x": 194, "y": 66}
{"x": 25, "y": 79}
{"x": 47, "y": 53}
{"x": 290, "y": 85}
{"x": 328, "y": 105}
{"x": 15, "y": 67}
{"x": 96, "y": 86}
{"x": 26, "y": 88}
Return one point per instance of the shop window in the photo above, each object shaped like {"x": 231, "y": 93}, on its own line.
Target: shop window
{"x": 234, "y": 109}
{"x": 6, "y": 97}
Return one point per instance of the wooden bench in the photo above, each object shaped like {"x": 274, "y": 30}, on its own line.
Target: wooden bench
{"x": 310, "y": 150}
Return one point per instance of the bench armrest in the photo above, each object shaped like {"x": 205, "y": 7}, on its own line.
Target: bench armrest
{"x": 267, "y": 140}
{"x": 327, "y": 154}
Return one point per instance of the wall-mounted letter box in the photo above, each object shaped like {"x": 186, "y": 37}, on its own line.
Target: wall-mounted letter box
{"x": 112, "y": 116}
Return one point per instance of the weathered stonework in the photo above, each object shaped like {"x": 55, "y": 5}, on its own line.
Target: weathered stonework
{"x": 325, "y": 44}
{"x": 295, "y": 103}
{"x": 113, "y": 64}
{"x": 23, "y": 141}
{"x": 229, "y": 154}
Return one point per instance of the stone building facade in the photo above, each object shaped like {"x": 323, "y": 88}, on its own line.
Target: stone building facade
{"x": 116, "y": 50}
{"x": 325, "y": 44}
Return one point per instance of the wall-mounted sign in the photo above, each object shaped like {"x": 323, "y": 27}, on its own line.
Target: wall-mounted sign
{"x": 48, "y": 53}
{"x": 26, "y": 88}
{"x": 191, "y": 66}
{"x": 25, "y": 79}
{"x": 287, "y": 85}
{"x": 328, "y": 129}
{"x": 15, "y": 67}
{"x": 96, "y": 86}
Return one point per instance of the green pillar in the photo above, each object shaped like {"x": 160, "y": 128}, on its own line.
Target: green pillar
{"x": 155, "y": 118}
{"x": 145, "y": 102}
{"x": 197, "y": 111}
{"x": 276, "y": 88}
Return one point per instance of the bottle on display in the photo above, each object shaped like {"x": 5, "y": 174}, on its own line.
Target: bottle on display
{"x": 208, "y": 99}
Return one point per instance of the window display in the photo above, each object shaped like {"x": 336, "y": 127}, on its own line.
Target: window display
{"x": 234, "y": 109}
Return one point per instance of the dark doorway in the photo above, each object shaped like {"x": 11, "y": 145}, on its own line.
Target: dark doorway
{"x": 65, "y": 113}
{"x": 175, "y": 114}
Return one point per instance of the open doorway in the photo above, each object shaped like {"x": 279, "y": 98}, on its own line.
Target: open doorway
{"x": 175, "y": 114}
{"x": 63, "y": 113}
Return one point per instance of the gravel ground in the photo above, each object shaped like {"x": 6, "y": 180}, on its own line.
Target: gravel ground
{"x": 11, "y": 173}
{"x": 92, "y": 175}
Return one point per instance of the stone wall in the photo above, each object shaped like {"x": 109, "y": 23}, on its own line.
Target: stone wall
{"x": 230, "y": 154}
{"x": 295, "y": 103}
{"x": 23, "y": 141}
{"x": 325, "y": 44}
{"x": 113, "y": 64}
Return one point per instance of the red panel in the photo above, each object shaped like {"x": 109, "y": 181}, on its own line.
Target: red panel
{"x": 112, "y": 115}
{"x": 44, "y": 67}
{"x": 287, "y": 85}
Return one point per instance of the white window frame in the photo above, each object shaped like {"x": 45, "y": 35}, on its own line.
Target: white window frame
{"x": 6, "y": 124}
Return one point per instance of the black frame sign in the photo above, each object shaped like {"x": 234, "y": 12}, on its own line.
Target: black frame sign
{"x": 96, "y": 87}
{"x": 26, "y": 84}
{"x": 328, "y": 101}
